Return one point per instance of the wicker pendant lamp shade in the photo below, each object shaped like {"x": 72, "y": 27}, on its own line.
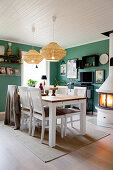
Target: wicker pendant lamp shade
{"x": 32, "y": 57}
{"x": 53, "y": 51}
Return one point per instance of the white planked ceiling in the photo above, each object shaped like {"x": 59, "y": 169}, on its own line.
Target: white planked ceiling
{"x": 78, "y": 21}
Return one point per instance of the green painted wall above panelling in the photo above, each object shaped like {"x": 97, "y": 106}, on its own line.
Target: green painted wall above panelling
{"x": 84, "y": 50}
{"x": 53, "y": 72}
{"x": 17, "y": 46}
{"x": 6, "y": 80}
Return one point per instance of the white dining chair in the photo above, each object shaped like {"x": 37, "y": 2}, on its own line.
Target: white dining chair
{"x": 41, "y": 113}
{"x": 62, "y": 90}
{"x": 78, "y": 91}
{"x": 26, "y": 108}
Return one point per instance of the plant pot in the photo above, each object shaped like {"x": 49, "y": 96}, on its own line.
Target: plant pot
{"x": 31, "y": 85}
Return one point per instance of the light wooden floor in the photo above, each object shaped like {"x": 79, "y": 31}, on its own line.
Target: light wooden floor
{"x": 96, "y": 156}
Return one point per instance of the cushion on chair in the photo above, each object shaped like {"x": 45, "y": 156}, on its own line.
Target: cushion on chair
{"x": 25, "y": 111}
{"x": 67, "y": 110}
{"x": 46, "y": 109}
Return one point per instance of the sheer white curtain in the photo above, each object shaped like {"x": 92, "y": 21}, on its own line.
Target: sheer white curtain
{"x": 29, "y": 71}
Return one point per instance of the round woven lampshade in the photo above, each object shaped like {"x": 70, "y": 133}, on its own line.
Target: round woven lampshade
{"x": 32, "y": 57}
{"x": 53, "y": 52}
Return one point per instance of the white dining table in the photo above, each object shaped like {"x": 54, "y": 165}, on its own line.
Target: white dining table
{"x": 62, "y": 100}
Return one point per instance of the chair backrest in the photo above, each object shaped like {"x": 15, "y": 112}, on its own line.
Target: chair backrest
{"x": 36, "y": 99}
{"x": 62, "y": 90}
{"x": 24, "y": 97}
{"x": 80, "y": 91}
{"x": 12, "y": 89}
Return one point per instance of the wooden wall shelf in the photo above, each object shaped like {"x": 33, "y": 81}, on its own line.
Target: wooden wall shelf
{"x": 9, "y": 63}
{"x": 10, "y": 75}
{"x": 11, "y": 56}
{"x": 88, "y": 61}
{"x": 10, "y": 59}
{"x": 93, "y": 58}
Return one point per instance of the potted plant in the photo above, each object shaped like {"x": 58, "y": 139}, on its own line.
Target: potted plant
{"x": 31, "y": 83}
{"x": 56, "y": 82}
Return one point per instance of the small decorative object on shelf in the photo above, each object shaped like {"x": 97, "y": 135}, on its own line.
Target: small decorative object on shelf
{"x": 93, "y": 63}
{"x": 17, "y": 73}
{"x": 9, "y": 50}
{"x": 2, "y": 70}
{"x": 9, "y": 71}
{"x": 2, "y": 50}
{"x": 1, "y": 59}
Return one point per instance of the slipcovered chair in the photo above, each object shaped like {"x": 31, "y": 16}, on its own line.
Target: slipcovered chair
{"x": 12, "y": 110}
{"x": 26, "y": 108}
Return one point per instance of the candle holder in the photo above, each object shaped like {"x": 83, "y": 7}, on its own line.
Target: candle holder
{"x": 53, "y": 90}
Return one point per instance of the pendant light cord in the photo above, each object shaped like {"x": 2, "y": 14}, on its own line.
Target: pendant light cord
{"x": 53, "y": 31}
{"x": 33, "y": 31}
{"x": 53, "y": 19}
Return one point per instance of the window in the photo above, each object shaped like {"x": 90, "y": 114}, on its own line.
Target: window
{"x": 29, "y": 71}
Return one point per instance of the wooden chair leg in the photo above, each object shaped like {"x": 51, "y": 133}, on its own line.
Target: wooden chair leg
{"x": 43, "y": 130}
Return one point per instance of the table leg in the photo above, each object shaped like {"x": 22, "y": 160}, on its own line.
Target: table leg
{"x": 52, "y": 124}
{"x": 83, "y": 117}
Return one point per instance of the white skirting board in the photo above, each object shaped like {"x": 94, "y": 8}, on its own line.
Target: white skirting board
{"x": 2, "y": 116}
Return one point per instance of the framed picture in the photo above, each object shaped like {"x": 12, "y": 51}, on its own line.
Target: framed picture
{"x": 99, "y": 76}
{"x": 72, "y": 71}
{"x": 63, "y": 69}
{"x": 9, "y": 71}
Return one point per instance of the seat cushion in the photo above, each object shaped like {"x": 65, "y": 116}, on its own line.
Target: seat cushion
{"x": 46, "y": 109}
{"x": 67, "y": 110}
{"x": 25, "y": 111}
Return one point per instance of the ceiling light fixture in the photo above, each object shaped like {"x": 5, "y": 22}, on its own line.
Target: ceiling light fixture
{"x": 53, "y": 51}
{"x": 32, "y": 56}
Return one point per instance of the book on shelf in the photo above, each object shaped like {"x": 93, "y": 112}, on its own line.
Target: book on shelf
{"x": 9, "y": 71}
{"x": 2, "y": 70}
